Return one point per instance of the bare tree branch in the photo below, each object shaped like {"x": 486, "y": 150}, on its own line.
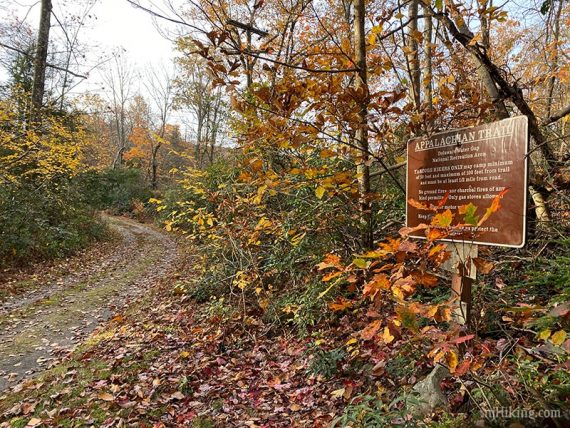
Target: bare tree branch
{"x": 557, "y": 115}
{"x": 56, "y": 67}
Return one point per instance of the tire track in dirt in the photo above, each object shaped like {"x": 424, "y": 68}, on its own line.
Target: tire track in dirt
{"x": 47, "y": 322}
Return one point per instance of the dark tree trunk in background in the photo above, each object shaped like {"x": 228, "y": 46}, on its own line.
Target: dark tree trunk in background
{"x": 361, "y": 134}
{"x": 40, "y": 61}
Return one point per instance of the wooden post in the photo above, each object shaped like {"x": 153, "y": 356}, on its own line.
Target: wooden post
{"x": 461, "y": 288}
{"x": 463, "y": 274}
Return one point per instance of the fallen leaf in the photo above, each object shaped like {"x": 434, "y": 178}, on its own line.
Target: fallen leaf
{"x": 544, "y": 334}
{"x": 34, "y": 422}
{"x": 558, "y": 338}
{"x": 105, "y": 396}
{"x": 294, "y": 407}
{"x": 387, "y": 336}
{"x": 483, "y": 266}
{"x": 177, "y": 396}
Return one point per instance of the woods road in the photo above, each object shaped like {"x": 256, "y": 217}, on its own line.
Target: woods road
{"x": 47, "y": 321}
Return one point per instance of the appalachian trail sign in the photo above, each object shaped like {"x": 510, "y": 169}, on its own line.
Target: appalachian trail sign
{"x": 473, "y": 165}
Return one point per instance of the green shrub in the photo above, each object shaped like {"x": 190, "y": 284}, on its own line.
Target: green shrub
{"x": 369, "y": 411}
{"x": 38, "y": 223}
{"x": 117, "y": 190}
{"x": 325, "y": 362}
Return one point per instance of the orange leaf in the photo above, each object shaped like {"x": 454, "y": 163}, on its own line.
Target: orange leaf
{"x": 419, "y": 205}
{"x": 370, "y": 330}
{"x": 377, "y": 283}
{"x": 436, "y": 250}
{"x": 331, "y": 260}
{"x": 495, "y": 205}
{"x": 434, "y": 234}
{"x": 340, "y": 304}
{"x": 331, "y": 275}
{"x": 462, "y": 368}
{"x": 452, "y": 359}
{"x": 405, "y": 231}
{"x": 426, "y": 279}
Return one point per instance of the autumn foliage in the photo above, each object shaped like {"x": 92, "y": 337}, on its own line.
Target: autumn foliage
{"x": 287, "y": 193}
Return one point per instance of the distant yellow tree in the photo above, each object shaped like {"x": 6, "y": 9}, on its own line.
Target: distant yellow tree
{"x": 49, "y": 150}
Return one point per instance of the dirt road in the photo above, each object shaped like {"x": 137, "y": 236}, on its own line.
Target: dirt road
{"x": 48, "y": 321}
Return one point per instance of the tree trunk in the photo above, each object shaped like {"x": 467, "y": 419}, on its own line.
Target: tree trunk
{"x": 501, "y": 111}
{"x": 428, "y": 35}
{"x": 361, "y": 135}
{"x": 554, "y": 65}
{"x": 154, "y": 167}
{"x": 40, "y": 61}
{"x": 492, "y": 78}
{"x": 413, "y": 54}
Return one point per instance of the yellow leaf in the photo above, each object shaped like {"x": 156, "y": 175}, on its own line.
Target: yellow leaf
{"x": 295, "y": 240}
{"x": 387, "y": 336}
{"x": 544, "y": 334}
{"x": 558, "y": 338}
{"x": 320, "y": 192}
{"x": 452, "y": 360}
{"x": 397, "y": 292}
{"x": 184, "y": 354}
{"x": 331, "y": 276}
{"x": 337, "y": 393}
{"x": 351, "y": 341}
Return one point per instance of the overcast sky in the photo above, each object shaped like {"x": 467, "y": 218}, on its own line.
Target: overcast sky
{"x": 115, "y": 24}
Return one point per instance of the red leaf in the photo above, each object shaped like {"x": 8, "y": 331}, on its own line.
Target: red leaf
{"x": 443, "y": 200}
{"x": 462, "y": 368}
{"x": 461, "y": 339}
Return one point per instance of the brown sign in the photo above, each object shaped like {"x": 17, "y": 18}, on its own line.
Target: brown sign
{"x": 474, "y": 165}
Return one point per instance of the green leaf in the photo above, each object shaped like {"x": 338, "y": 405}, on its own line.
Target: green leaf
{"x": 439, "y": 4}
{"x": 469, "y": 211}
{"x": 360, "y": 263}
